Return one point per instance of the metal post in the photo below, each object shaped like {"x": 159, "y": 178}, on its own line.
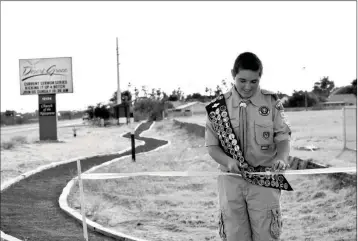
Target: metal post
{"x": 83, "y": 210}
{"x": 344, "y": 128}
{"x": 133, "y": 145}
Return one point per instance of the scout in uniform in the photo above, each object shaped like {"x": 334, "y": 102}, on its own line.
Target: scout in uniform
{"x": 247, "y": 131}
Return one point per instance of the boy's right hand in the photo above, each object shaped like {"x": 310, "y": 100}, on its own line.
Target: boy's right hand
{"x": 233, "y": 166}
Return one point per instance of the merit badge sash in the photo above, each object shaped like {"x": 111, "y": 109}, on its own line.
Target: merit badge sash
{"x": 219, "y": 118}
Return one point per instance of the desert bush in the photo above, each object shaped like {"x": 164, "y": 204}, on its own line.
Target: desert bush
{"x": 7, "y": 145}
{"x": 14, "y": 141}
{"x": 19, "y": 139}
{"x": 150, "y": 109}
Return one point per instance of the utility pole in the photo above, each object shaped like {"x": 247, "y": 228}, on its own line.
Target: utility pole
{"x": 118, "y": 86}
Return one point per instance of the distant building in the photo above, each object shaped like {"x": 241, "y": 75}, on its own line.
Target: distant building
{"x": 189, "y": 109}
{"x": 341, "y": 100}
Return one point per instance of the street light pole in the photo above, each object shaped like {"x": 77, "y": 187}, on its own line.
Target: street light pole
{"x": 118, "y": 83}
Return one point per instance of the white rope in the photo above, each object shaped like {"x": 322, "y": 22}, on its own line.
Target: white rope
{"x": 98, "y": 176}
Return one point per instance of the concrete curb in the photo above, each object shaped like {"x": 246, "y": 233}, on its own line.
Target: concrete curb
{"x": 11, "y": 182}
{"x": 93, "y": 225}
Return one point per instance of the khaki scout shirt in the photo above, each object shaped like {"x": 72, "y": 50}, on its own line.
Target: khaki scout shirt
{"x": 263, "y": 131}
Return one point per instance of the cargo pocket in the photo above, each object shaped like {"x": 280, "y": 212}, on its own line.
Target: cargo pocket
{"x": 276, "y": 223}
{"x": 264, "y": 132}
{"x": 222, "y": 233}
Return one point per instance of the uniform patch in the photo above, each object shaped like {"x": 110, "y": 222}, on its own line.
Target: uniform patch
{"x": 264, "y": 110}
{"x": 279, "y": 106}
{"x": 266, "y": 135}
{"x": 265, "y": 147}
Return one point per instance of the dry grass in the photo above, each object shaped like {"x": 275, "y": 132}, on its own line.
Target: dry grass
{"x": 13, "y": 142}
{"x": 185, "y": 208}
{"x": 323, "y": 129}
{"x": 27, "y": 153}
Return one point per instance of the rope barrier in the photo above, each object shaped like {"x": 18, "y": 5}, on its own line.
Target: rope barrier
{"x": 103, "y": 176}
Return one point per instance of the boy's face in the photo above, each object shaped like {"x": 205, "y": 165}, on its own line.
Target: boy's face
{"x": 247, "y": 82}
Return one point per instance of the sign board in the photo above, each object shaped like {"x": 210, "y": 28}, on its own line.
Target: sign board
{"x": 46, "y": 76}
{"x": 47, "y": 117}
{"x": 47, "y": 109}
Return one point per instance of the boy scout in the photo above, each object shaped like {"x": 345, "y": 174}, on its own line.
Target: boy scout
{"x": 247, "y": 131}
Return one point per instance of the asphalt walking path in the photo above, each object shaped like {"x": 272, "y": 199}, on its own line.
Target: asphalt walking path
{"x": 30, "y": 210}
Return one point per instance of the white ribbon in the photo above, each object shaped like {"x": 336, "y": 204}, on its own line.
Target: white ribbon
{"x": 99, "y": 176}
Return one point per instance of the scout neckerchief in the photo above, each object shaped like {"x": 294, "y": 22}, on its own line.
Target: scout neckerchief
{"x": 219, "y": 118}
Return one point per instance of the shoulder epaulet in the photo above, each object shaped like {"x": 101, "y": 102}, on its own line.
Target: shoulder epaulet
{"x": 267, "y": 92}
{"x": 228, "y": 94}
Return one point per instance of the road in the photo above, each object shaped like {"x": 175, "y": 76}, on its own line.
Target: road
{"x": 30, "y": 209}
{"x": 32, "y": 127}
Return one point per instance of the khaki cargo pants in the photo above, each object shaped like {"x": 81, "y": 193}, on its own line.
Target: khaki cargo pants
{"x": 248, "y": 212}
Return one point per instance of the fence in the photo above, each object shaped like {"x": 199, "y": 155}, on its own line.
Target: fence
{"x": 350, "y": 127}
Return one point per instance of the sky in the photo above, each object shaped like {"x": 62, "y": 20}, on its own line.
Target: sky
{"x": 191, "y": 45}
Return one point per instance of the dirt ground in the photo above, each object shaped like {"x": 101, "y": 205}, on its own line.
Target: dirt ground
{"x": 27, "y": 153}
{"x": 185, "y": 208}
{"x": 323, "y": 129}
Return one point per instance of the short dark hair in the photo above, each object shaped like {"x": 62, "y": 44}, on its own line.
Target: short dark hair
{"x": 247, "y": 61}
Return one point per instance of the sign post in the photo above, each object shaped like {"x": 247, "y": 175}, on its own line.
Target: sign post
{"x": 46, "y": 77}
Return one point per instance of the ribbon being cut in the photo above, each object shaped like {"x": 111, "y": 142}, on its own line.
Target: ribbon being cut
{"x": 97, "y": 176}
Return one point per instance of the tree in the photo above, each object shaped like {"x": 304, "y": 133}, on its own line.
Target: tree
{"x": 224, "y": 84}
{"x": 218, "y": 91}
{"x": 136, "y": 93}
{"x": 124, "y": 95}
{"x": 280, "y": 95}
{"x": 349, "y": 89}
{"x": 101, "y": 111}
{"x": 354, "y": 87}
{"x": 298, "y": 99}
{"x": 90, "y": 111}
{"x": 159, "y": 94}
{"x": 324, "y": 87}
{"x": 145, "y": 90}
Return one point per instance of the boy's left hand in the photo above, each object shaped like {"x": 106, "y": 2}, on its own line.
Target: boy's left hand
{"x": 279, "y": 165}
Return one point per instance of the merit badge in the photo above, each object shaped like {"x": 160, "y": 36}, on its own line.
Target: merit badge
{"x": 280, "y": 179}
{"x": 266, "y": 134}
{"x": 224, "y": 114}
{"x": 232, "y": 136}
{"x": 232, "y": 151}
{"x": 223, "y": 108}
{"x": 212, "y": 114}
{"x": 234, "y": 142}
{"x": 229, "y": 130}
{"x": 237, "y": 148}
{"x": 264, "y": 110}
{"x": 225, "y": 119}
{"x": 217, "y": 111}
{"x": 285, "y": 186}
{"x": 279, "y": 106}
